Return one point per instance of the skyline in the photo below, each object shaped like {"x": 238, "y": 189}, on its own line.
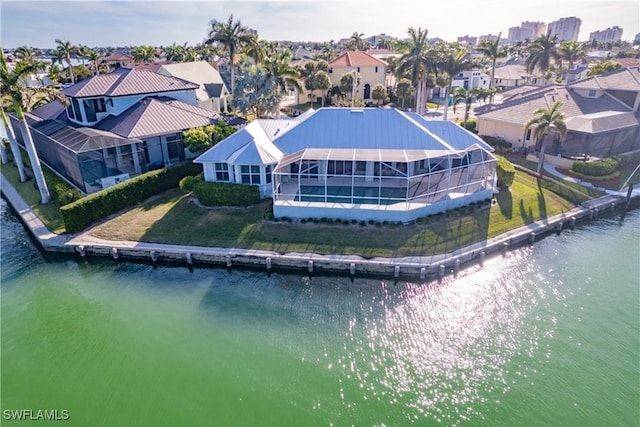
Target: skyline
{"x": 160, "y": 23}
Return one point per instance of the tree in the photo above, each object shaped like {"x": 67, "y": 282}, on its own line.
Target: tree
{"x": 175, "y": 52}
{"x": 254, "y": 49}
{"x": 379, "y": 93}
{"x": 546, "y": 122}
{"x": 541, "y": 52}
{"x": 384, "y": 43}
{"x": 416, "y": 64}
{"x": 200, "y": 139}
{"x": 404, "y": 89}
{"x": 256, "y": 93}
{"x": 65, "y": 51}
{"x": 601, "y": 67}
{"x": 25, "y": 53}
{"x": 232, "y": 36}
{"x": 144, "y": 54}
{"x": 279, "y": 67}
{"x": 13, "y": 90}
{"x": 349, "y": 83}
{"x": 461, "y": 94}
{"x": 491, "y": 49}
{"x": 452, "y": 59}
{"x": 93, "y": 56}
{"x": 571, "y": 52}
{"x": 322, "y": 83}
{"x": 356, "y": 42}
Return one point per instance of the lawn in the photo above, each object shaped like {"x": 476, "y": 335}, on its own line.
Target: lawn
{"x": 49, "y": 213}
{"x": 173, "y": 218}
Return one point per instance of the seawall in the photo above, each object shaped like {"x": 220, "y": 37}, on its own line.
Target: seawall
{"x": 423, "y": 267}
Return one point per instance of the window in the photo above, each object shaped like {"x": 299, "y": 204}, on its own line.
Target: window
{"x": 528, "y": 137}
{"x": 592, "y": 93}
{"x": 361, "y": 168}
{"x": 358, "y": 69}
{"x": 99, "y": 106}
{"x": 340, "y": 167}
{"x": 309, "y": 169}
{"x": 330, "y": 70}
{"x": 174, "y": 147}
{"x": 376, "y": 69}
{"x": 89, "y": 109}
{"x": 222, "y": 172}
{"x": 250, "y": 174}
{"x": 76, "y": 108}
{"x": 268, "y": 171}
{"x": 70, "y": 112}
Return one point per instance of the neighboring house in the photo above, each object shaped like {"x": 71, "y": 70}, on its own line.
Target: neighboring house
{"x": 602, "y": 115}
{"x": 364, "y": 164}
{"x": 116, "y": 126}
{"x": 371, "y": 69}
{"x": 116, "y": 60}
{"x": 212, "y": 94}
{"x": 578, "y": 72}
{"x": 510, "y": 76}
{"x": 470, "y": 79}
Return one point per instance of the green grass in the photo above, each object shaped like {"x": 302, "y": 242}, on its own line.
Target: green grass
{"x": 174, "y": 219}
{"x": 49, "y": 213}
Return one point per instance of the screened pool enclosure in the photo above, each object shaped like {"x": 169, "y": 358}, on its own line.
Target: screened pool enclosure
{"x": 367, "y": 184}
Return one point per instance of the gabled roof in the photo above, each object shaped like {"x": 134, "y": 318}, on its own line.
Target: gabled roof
{"x": 49, "y": 111}
{"x": 147, "y": 66}
{"x": 157, "y": 116}
{"x": 117, "y": 57}
{"x": 511, "y": 72}
{"x": 207, "y": 78}
{"x": 356, "y": 59}
{"x": 125, "y": 81}
{"x": 622, "y": 79}
{"x": 248, "y": 146}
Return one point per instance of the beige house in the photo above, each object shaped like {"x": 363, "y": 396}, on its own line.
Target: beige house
{"x": 212, "y": 93}
{"x": 602, "y": 115}
{"x": 371, "y": 69}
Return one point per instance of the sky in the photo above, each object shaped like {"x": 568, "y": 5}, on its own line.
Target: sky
{"x": 160, "y": 23}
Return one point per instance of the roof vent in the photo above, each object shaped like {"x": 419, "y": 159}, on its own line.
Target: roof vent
{"x": 357, "y": 111}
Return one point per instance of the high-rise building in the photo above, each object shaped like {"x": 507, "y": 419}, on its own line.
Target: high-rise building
{"x": 538, "y": 28}
{"x": 526, "y": 31}
{"x": 566, "y": 29}
{"x": 613, "y": 34}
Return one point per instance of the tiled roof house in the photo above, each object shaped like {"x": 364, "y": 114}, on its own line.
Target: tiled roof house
{"x": 372, "y": 71}
{"x": 116, "y": 126}
{"x": 602, "y": 114}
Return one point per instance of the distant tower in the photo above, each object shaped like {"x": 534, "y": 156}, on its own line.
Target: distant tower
{"x": 566, "y": 29}
{"x": 609, "y": 35}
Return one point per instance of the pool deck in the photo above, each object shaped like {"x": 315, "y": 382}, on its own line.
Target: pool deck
{"x": 419, "y": 267}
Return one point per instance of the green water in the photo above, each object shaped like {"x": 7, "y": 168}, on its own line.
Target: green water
{"x": 546, "y": 335}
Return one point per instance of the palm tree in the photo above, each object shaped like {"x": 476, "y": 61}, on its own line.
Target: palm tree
{"x": 416, "y": 64}
{"x": 491, "y": 49}
{"x": 232, "y": 36}
{"x": 571, "y": 52}
{"x": 13, "y": 91}
{"x": 279, "y": 67}
{"x": 144, "y": 54}
{"x": 452, "y": 59}
{"x": 25, "y": 53}
{"x": 254, "y": 49}
{"x": 546, "y": 123}
{"x": 541, "y": 52}
{"x": 174, "y": 52}
{"x": 65, "y": 51}
{"x": 349, "y": 83}
{"x": 461, "y": 94}
{"x": 93, "y": 56}
{"x": 404, "y": 90}
{"x": 356, "y": 42}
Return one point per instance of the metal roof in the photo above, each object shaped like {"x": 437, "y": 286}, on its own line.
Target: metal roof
{"x": 208, "y": 79}
{"x": 126, "y": 81}
{"x": 157, "y": 116}
{"x": 372, "y": 128}
{"x": 248, "y": 146}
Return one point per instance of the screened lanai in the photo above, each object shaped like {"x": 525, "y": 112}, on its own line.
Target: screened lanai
{"x": 371, "y": 178}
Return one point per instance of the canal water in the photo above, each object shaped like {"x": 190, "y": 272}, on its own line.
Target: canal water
{"x": 545, "y": 335}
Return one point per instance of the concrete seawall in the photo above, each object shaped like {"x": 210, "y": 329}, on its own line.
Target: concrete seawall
{"x": 424, "y": 268}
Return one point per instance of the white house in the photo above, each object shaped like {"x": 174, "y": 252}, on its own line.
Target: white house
{"x": 363, "y": 164}
{"x": 212, "y": 94}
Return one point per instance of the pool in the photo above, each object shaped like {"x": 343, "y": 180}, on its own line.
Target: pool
{"x": 361, "y": 195}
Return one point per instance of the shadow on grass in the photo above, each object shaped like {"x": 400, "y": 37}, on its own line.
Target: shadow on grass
{"x": 527, "y": 215}
{"x": 541, "y": 201}
{"x": 505, "y": 201}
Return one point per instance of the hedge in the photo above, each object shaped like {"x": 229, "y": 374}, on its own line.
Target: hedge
{"x": 188, "y": 183}
{"x": 79, "y": 214}
{"x": 226, "y": 194}
{"x": 595, "y": 168}
{"x": 505, "y": 171}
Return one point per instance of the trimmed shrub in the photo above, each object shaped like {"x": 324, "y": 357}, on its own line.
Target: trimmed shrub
{"x": 188, "y": 183}
{"x": 471, "y": 125}
{"x": 596, "y": 168}
{"x": 80, "y": 213}
{"x": 226, "y": 194}
{"x": 506, "y": 172}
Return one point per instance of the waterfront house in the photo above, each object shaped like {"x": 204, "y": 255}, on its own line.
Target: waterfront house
{"x": 116, "y": 126}
{"x": 602, "y": 115}
{"x": 364, "y": 164}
